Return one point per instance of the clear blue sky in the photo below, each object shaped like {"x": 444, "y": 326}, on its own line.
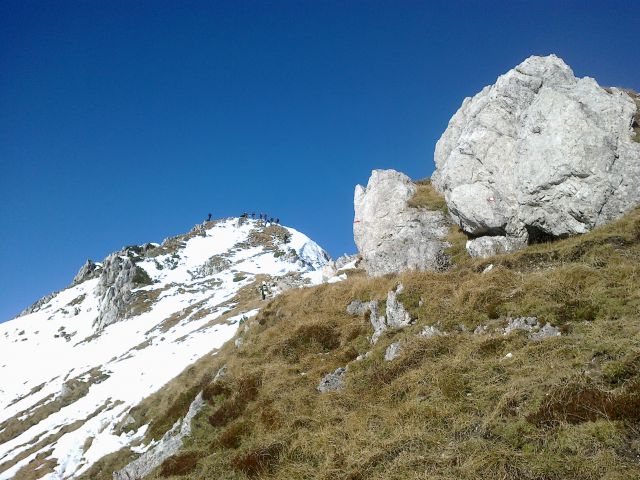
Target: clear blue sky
{"x": 123, "y": 122}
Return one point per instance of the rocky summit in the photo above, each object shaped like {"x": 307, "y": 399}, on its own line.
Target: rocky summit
{"x": 539, "y": 154}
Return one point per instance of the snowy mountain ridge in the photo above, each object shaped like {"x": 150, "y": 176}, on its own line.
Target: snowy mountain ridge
{"x": 76, "y": 362}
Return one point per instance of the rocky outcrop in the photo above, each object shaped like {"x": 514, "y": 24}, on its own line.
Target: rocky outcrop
{"x": 169, "y": 444}
{"x": 539, "y": 153}
{"x": 390, "y": 235}
{"x": 119, "y": 276}
{"x": 356, "y": 307}
{"x": 332, "y": 382}
{"x": 532, "y": 325}
{"x": 392, "y": 352}
{"x": 396, "y": 317}
{"x": 334, "y": 268}
{"x": 88, "y": 271}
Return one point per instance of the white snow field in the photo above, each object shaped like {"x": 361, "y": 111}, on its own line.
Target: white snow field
{"x": 42, "y": 352}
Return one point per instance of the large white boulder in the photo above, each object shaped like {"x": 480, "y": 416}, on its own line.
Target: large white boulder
{"x": 540, "y": 152}
{"x": 390, "y": 235}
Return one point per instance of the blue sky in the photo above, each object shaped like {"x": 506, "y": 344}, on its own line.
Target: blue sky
{"x": 125, "y": 122}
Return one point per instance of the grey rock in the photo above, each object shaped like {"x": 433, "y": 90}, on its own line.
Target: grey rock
{"x": 38, "y": 305}
{"x": 88, "y": 271}
{"x": 545, "y": 332}
{"x": 356, "y": 307}
{"x": 378, "y": 322}
{"x": 169, "y": 444}
{"x": 527, "y": 324}
{"x": 540, "y": 152}
{"x": 483, "y": 247}
{"x": 531, "y": 325}
{"x": 332, "y": 382}
{"x": 220, "y": 374}
{"x": 430, "y": 331}
{"x": 391, "y": 236}
{"x": 334, "y": 267}
{"x": 396, "y": 315}
{"x": 392, "y": 352}
{"x": 488, "y": 268}
{"x": 480, "y": 330}
{"x": 119, "y": 276}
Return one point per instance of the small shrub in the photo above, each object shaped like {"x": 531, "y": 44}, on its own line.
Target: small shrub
{"x": 311, "y": 338}
{"x": 231, "y": 437}
{"x": 213, "y": 389}
{"x": 259, "y": 460}
{"x": 245, "y": 389}
{"x": 141, "y": 277}
{"x": 180, "y": 464}
{"x": 577, "y": 403}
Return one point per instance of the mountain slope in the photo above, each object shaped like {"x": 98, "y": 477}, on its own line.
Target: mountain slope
{"x": 477, "y": 390}
{"x": 76, "y": 362}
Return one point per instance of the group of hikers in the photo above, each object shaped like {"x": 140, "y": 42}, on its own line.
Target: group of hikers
{"x": 262, "y": 216}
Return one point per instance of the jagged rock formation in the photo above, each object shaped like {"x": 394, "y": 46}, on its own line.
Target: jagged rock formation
{"x": 169, "y": 444}
{"x": 539, "y": 153}
{"x": 88, "y": 271}
{"x": 390, "y": 235}
{"x": 119, "y": 276}
{"x": 396, "y": 315}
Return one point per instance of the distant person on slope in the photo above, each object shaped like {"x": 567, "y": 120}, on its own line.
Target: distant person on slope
{"x": 209, "y": 218}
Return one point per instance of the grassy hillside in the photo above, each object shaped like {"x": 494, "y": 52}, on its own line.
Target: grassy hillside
{"x": 455, "y": 406}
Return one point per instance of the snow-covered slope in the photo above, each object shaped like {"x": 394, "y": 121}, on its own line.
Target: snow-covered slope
{"x": 72, "y": 368}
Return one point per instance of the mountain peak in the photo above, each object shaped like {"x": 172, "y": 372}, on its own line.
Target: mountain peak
{"x": 127, "y": 325}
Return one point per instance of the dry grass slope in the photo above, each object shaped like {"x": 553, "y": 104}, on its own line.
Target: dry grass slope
{"x": 450, "y": 407}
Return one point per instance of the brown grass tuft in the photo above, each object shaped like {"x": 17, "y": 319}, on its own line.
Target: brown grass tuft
{"x": 258, "y": 460}
{"x": 180, "y": 464}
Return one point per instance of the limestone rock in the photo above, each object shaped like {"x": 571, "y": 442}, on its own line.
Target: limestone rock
{"x": 88, "y": 271}
{"x": 521, "y": 323}
{"x": 378, "y": 322}
{"x": 391, "y": 236}
{"x": 119, "y": 276}
{"x": 333, "y": 268}
{"x": 538, "y": 153}
{"x": 532, "y": 325}
{"x": 356, "y": 307}
{"x": 430, "y": 331}
{"x": 332, "y": 382}
{"x": 169, "y": 444}
{"x": 480, "y": 330}
{"x": 392, "y": 352}
{"x": 547, "y": 331}
{"x": 396, "y": 315}
{"x": 483, "y": 247}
